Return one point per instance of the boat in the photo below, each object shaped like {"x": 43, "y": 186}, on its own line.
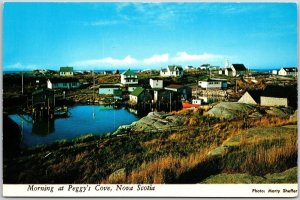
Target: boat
{"x": 186, "y": 105}
{"x": 61, "y": 112}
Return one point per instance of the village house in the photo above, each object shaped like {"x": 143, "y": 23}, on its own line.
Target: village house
{"x": 251, "y": 97}
{"x": 272, "y": 96}
{"x": 66, "y": 71}
{"x": 140, "y": 94}
{"x": 156, "y": 83}
{"x": 233, "y": 70}
{"x": 184, "y": 92}
{"x": 238, "y": 69}
{"x": 63, "y": 83}
{"x": 274, "y": 71}
{"x": 108, "y": 88}
{"x": 279, "y": 96}
{"x": 172, "y": 70}
{"x": 288, "y": 71}
{"x": 129, "y": 77}
{"x": 213, "y": 83}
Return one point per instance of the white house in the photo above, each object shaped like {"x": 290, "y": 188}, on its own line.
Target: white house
{"x": 129, "y": 77}
{"x": 156, "y": 83}
{"x": 66, "y": 71}
{"x": 172, "y": 70}
{"x": 288, "y": 71}
{"x": 213, "y": 83}
{"x": 274, "y": 71}
{"x": 234, "y": 70}
{"x": 63, "y": 83}
{"x": 228, "y": 72}
{"x": 238, "y": 69}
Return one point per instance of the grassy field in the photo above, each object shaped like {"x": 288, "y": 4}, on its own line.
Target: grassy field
{"x": 201, "y": 148}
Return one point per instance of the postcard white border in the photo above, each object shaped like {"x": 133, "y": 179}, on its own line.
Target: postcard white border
{"x": 166, "y": 190}
{"x": 158, "y": 190}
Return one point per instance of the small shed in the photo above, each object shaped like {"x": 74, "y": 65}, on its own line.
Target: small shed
{"x": 251, "y": 97}
{"x": 184, "y": 92}
{"x": 274, "y": 95}
{"x": 108, "y": 88}
{"x": 140, "y": 95}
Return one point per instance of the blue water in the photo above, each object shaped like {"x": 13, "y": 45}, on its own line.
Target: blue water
{"x": 86, "y": 119}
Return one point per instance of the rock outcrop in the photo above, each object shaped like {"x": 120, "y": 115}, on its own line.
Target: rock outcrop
{"x": 154, "y": 121}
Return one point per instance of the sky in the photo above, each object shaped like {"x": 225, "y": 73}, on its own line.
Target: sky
{"x": 91, "y": 36}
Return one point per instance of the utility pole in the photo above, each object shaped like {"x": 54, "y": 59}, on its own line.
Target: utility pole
{"x": 235, "y": 85}
{"x": 170, "y": 101}
{"x": 93, "y": 86}
{"x": 22, "y": 84}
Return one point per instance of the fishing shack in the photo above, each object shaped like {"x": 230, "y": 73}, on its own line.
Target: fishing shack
{"x": 43, "y": 103}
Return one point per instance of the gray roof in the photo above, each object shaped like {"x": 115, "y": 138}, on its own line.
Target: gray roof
{"x": 174, "y": 67}
{"x": 290, "y": 69}
{"x": 239, "y": 67}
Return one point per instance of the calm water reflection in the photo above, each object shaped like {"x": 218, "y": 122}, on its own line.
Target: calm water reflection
{"x": 83, "y": 120}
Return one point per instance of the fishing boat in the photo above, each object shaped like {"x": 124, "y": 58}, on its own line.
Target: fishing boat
{"x": 194, "y": 104}
{"x": 61, "y": 112}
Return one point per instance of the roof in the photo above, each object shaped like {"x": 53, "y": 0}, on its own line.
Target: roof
{"x": 128, "y": 72}
{"x": 156, "y": 79}
{"x": 289, "y": 92}
{"x": 279, "y": 91}
{"x": 137, "y": 91}
{"x": 174, "y": 86}
{"x": 134, "y": 85}
{"x": 174, "y": 67}
{"x": 107, "y": 85}
{"x": 228, "y": 69}
{"x": 239, "y": 67}
{"x": 63, "y": 80}
{"x": 290, "y": 69}
{"x": 215, "y": 79}
{"x": 66, "y": 69}
{"x": 255, "y": 94}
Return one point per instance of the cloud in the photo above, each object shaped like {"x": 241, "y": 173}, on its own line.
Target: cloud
{"x": 128, "y": 60}
{"x": 157, "y": 59}
{"x": 154, "y": 60}
{"x": 103, "y": 23}
{"x": 19, "y": 66}
{"x": 185, "y": 57}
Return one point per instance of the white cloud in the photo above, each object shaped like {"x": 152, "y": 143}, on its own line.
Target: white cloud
{"x": 103, "y": 23}
{"x": 155, "y": 59}
{"x": 185, "y": 57}
{"x": 20, "y": 66}
{"x": 128, "y": 60}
